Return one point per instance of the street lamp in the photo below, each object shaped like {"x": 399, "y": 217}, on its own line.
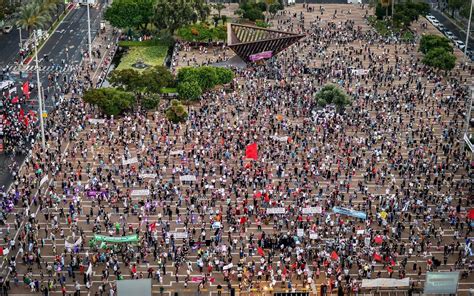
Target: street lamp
{"x": 38, "y": 83}
{"x": 89, "y": 31}
{"x": 468, "y": 32}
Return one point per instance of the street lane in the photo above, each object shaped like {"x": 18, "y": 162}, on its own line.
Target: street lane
{"x": 9, "y": 47}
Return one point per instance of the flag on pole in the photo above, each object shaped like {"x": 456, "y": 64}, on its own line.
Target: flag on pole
{"x": 26, "y": 89}
{"x": 252, "y": 151}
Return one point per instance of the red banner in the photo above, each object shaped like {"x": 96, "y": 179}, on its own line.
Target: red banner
{"x": 252, "y": 151}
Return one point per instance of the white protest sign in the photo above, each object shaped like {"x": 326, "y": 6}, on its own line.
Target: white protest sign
{"x": 313, "y": 235}
{"x": 96, "y": 121}
{"x": 187, "y": 178}
{"x": 281, "y": 139}
{"x": 362, "y": 231}
{"x": 129, "y": 161}
{"x": 140, "y": 192}
{"x": 300, "y": 232}
{"x": 147, "y": 176}
{"x": 177, "y": 152}
{"x": 312, "y": 210}
{"x": 228, "y": 266}
{"x": 276, "y": 210}
{"x": 44, "y": 180}
{"x": 178, "y": 235}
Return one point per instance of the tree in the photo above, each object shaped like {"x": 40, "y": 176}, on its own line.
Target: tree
{"x": 431, "y": 41}
{"x": 32, "y": 16}
{"x": 274, "y": 8}
{"x": 440, "y": 58}
{"x": 465, "y": 10}
{"x": 176, "y": 112}
{"x": 455, "y": 5}
{"x": 110, "y": 101}
{"x": 154, "y": 79}
{"x": 150, "y": 102}
{"x": 332, "y": 94}
{"x": 224, "y": 75}
{"x": 219, "y": 7}
{"x": 127, "y": 79}
{"x": 135, "y": 14}
{"x": 189, "y": 91}
{"x": 171, "y": 15}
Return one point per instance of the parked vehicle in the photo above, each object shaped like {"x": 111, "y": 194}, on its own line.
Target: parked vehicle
{"x": 7, "y": 29}
{"x": 449, "y": 34}
{"x": 460, "y": 44}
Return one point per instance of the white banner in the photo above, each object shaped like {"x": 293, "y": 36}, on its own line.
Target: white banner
{"x": 178, "y": 235}
{"x": 68, "y": 245}
{"x": 359, "y": 71}
{"x": 300, "y": 232}
{"x": 96, "y": 120}
{"x": 140, "y": 192}
{"x": 129, "y": 161}
{"x": 386, "y": 283}
{"x": 177, "y": 152}
{"x": 276, "y": 210}
{"x": 44, "y": 180}
{"x": 281, "y": 139}
{"x": 313, "y": 235}
{"x": 228, "y": 266}
{"x": 312, "y": 210}
{"x": 362, "y": 231}
{"x": 147, "y": 176}
{"x": 187, "y": 178}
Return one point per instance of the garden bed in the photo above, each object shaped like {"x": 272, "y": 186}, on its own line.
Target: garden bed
{"x": 150, "y": 55}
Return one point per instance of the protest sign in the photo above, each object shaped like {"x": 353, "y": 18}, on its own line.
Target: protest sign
{"x": 276, "y": 210}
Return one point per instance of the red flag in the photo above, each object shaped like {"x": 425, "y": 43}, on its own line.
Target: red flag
{"x": 243, "y": 220}
{"x": 378, "y": 240}
{"x": 334, "y": 255}
{"x": 260, "y": 251}
{"x": 251, "y": 151}
{"x": 26, "y": 121}
{"x": 153, "y": 226}
{"x": 1, "y": 251}
{"x": 21, "y": 115}
{"x": 470, "y": 215}
{"x": 26, "y": 89}
{"x": 15, "y": 100}
{"x": 377, "y": 257}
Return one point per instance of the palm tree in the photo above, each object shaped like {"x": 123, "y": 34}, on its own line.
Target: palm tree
{"x": 32, "y": 17}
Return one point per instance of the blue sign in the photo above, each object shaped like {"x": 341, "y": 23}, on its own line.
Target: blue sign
{"x": 349, "y": 212}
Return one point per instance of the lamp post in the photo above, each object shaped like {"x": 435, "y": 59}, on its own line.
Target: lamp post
{"x": 40, "y": 99}
{"x": 468, "y": 32}
{"x": 89, "y": 31}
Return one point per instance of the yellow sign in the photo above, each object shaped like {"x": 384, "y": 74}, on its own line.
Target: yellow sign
{"x": 45, "y": 114}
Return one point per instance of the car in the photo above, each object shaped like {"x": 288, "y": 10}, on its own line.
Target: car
{"x": 7, "y": 29}
{"x": 436, "y": 23}
{"x": 459, "y": 44}
{"x": 442, "y": 28}
{"x": 430, "y": 17}
{"x": 449, "y": 34}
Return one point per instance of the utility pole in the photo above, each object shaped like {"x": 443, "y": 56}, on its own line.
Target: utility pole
{"x": 89, "y": 31}
{"x": 468, "y": 32}
{"x": 40, "y": 99}
{"x": 21, "y": 44}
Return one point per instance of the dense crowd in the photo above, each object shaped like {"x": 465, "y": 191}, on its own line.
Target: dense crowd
{"x": 394, "y": 156}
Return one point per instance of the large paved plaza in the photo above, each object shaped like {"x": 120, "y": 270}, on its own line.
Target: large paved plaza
{"x": 394, "y": 154}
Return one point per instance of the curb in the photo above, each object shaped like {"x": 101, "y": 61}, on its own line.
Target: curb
{"x": 69, "y": 9}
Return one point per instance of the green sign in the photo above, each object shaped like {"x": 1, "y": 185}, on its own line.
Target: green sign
{"x": 117, "y": 239}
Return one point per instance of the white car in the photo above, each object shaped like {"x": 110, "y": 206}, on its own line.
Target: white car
{"x": 460, "y": 44}
{"x": 449, "y": 34}
{"x": 7, "y": 29}
{"x": 430, "y": 17}
{"x": 436, "y": 23}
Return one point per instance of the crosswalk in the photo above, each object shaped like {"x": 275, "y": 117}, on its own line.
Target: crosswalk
{"x": 44, "y": 68}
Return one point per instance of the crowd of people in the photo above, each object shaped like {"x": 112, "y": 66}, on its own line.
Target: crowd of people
{"x": 386, "y": 182}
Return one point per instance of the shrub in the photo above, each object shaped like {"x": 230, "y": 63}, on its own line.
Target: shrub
{"x": 262, "y": 24}
{"x": 202, "y": 32}
{"x": 431, "y": 41}
{"x": 110, "y": 101}
{"x": 440, "y": 58}
{"x": 189, "y": 91}
{"x": 150, "y": 102}
{"x": 332, "y": 94}
{"x": 176, "y": 112}
{"x": 224, "y": 75}
{"x": 253, "y": 14}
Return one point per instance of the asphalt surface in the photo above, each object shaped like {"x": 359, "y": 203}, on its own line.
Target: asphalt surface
{"x": 71, "y": 34}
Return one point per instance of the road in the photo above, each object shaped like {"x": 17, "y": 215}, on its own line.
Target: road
{"x": 71, "y": 34}
{"x": 449, "y": 24}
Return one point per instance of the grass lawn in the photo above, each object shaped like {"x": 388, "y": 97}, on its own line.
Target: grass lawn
{"x": 169, "y": 90}
{"x": 150, "y": 55}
